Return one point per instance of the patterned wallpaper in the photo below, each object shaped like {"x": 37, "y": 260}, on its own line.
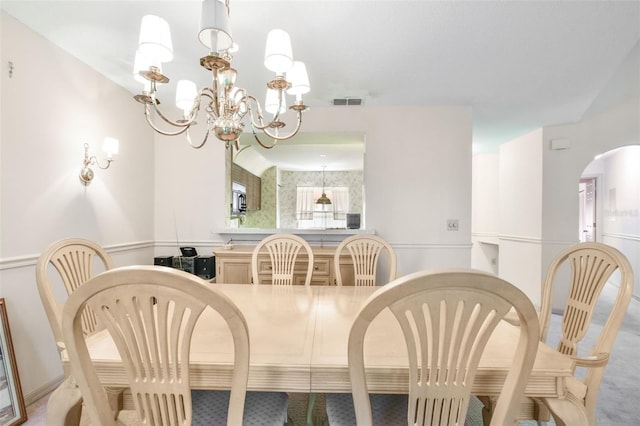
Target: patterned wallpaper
{"x": 285, "y": 193}
{"x": 289, "y": 181}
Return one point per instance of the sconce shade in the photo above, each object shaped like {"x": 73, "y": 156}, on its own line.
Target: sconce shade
{"x": 299, "y": 79}
{"x": 186, "y": 93}
{"x": 278, "y": 56}
{"x": 110, "y": 146}
{"x": 215, "y": 28}
{"x": 274, "y": 105}
{"x": 155, "y": 39}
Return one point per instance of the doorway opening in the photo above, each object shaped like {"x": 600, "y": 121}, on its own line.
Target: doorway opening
{"x": 587, "y": 220}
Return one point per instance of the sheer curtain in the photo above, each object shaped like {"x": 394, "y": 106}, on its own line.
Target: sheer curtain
{"x": 305, "y": 203}
{"x": 312, "y": 215}
{"x": 340, "y": 200}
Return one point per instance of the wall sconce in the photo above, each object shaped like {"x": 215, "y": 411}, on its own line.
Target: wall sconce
{"x": 110, "y": 147}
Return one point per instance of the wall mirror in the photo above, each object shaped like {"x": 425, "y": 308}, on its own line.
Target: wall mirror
{"x": 278, "y": 188}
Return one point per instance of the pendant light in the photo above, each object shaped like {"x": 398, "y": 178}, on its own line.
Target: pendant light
{"x": 323, "y": 199}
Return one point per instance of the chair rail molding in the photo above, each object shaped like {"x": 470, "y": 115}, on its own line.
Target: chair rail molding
{"x": 629, "y": 237}
{"x": 32, "y": 259}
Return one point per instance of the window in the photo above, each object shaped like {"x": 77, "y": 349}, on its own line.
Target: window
{"x": 310, "y": 215}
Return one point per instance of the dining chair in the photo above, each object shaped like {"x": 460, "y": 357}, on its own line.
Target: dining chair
{"x": 365, "y": 253}
{"x": 590, "y": 267}
{"x": 446, "y": 318}
{"x": 283, "y": 250}
{"x": 66, "y": 265}
{"x": 75, "y": 260}
{"x": 150, "y": 313}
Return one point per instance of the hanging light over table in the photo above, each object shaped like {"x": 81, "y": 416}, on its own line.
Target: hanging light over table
{"x": 323, "y": 198}
{"x": 225, "y": 104}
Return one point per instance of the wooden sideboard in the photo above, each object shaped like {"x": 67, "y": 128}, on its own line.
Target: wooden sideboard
{"x": 234, "y": 266}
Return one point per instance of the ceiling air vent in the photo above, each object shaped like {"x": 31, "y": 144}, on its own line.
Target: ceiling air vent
{"x": 347, "y": 101}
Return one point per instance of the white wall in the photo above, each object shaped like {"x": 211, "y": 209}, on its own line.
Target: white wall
{"x": 612, "y": 121}
{"x": 520, "y": 201}
{"x": 50, "y": 106}
{"x": 620, "y": 197}
{"x": 485, "y": 218}
{"x": 417, "y": 175}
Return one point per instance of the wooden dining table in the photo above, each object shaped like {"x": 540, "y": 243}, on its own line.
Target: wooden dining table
{"x": 298, "y": 340}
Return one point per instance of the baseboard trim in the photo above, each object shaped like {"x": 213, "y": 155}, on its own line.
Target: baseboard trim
{"x": 42, "y": 391}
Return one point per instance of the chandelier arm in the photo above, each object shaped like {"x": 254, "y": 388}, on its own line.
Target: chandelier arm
{"x": 240, "y": 112}
{"x": 260, "y": 124}
{"x": 289, "y": 136}
{"x": 204, "y": 93}
{"x": 162, "y": 132}
{"x": 255, "y": 135}
{"x": 242, "y": 97}
{"x": 204, "y": 140}
{"x": 186, "y": 123}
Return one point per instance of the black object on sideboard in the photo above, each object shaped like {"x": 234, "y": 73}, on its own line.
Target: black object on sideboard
{"x": 163, "y": 261}
{"x": 206, "y": 267}
{"x": 202, "y": 266}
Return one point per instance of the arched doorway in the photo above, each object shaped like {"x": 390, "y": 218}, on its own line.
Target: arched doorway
{"x": 610, "y": 199}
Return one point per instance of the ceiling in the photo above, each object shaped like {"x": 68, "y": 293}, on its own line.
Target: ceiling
{"x": 521, "y": 65}
{"x": 328, "y": 151}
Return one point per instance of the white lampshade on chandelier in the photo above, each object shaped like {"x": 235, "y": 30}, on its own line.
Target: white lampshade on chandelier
{"x": 226, "y": 105}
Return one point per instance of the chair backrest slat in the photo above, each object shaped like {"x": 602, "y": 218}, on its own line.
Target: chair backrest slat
{"x": 283, "y": 250}
{"x": 365, "y": 251}
{"x": 447, "y": 319}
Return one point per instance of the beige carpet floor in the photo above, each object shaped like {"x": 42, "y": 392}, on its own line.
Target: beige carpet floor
{"x": 298, "y": 403}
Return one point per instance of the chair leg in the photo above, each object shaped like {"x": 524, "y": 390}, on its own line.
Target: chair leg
{"x": 64, "y": 407}
{"x": 541, "y": 412}
{"x": 568, "y": 411}
{"x": 114, "y": 395}
{"x": 487, "y": 409}
{"x": 310, "y": 405}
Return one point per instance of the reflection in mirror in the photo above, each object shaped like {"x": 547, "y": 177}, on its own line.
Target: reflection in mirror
{"x": 283, "y": 184}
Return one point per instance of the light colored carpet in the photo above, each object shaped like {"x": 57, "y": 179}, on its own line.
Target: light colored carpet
{"x": 298, "y": 412}
{"x": 298, "y": 403}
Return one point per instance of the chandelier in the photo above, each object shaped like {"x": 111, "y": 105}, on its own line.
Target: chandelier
{"x": 227, "y": 106}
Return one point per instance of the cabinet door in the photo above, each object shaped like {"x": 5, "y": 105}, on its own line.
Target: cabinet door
{"x": 320, "y": 273}
{"x": 234, "y": 271}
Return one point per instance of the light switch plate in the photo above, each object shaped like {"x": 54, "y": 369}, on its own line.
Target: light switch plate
{"x": 452, "y": 224}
